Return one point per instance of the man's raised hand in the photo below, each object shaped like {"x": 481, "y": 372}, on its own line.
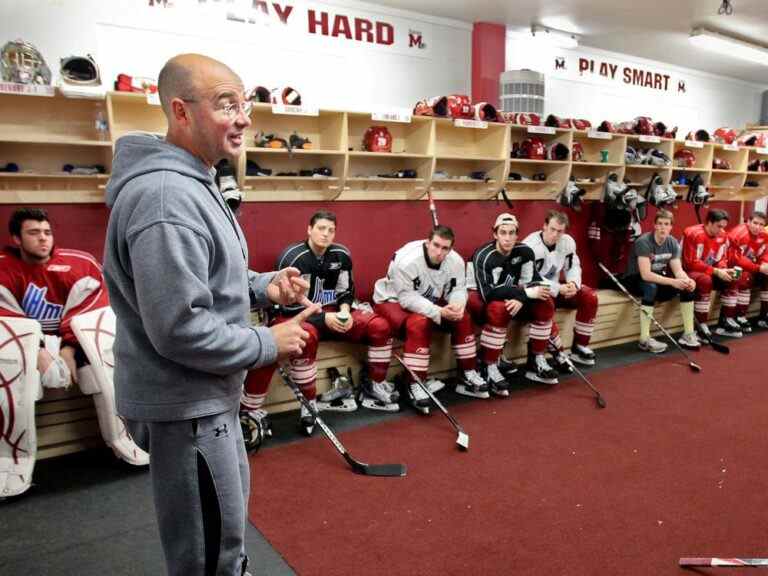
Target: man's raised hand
{"x": 290, "y": 337}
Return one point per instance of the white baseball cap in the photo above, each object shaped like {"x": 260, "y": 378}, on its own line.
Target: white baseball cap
{"x": 505, "y": 218}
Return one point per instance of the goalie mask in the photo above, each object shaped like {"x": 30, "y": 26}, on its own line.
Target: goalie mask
{"x": 285, "y": 95}
{"x": 698, "y": 195}
{"x": 570, "y": 196}
{"x": 485, "y": 111}
{"x": 459, "y": 106}
{"x": 22, "y": 63}
{"x": 435, "y": 106}
{"x": 80, "y": 71}
{"x": 377, "y": 139}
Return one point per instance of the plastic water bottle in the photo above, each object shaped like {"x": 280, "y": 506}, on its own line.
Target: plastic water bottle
{"x": 101, "y": 124}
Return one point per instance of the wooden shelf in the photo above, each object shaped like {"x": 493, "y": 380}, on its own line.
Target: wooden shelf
{"x": 295, "y": 151}
{"x": 43, "y": 134}
{"x": 542, "y": 162}
{"x": 362, "y": 154}
{"x": 55, "y": 140}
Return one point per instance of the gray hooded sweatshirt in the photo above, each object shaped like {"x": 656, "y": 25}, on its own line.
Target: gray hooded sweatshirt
{"x": 175, "y": 264}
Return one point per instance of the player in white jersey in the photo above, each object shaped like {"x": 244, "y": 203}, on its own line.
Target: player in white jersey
{"x": 425, "y": 287}
{"x": 558, "y": 263}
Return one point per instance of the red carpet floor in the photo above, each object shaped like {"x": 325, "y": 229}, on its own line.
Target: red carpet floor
{"x": 674, "y": 466}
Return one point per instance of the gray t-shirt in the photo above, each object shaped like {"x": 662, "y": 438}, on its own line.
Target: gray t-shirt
{"x": 659, "y": 254}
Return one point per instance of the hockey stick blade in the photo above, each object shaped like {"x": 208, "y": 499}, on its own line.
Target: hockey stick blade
{"x": 357, "y": 466}
{"x": 601, "y": 403}
{"x": 462, "y": 440}
{"x": 725, "y": 562}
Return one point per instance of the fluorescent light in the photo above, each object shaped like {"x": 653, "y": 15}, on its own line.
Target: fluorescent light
{"x": 727, "y": 46}
{"x": 554, "y": 37}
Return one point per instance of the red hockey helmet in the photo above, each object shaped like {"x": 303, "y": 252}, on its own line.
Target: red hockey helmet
{"x": 626, "y": 127}
{"x": 577, "y": 152}
{"x": 377, "y": 139}
{"x": 725, "y": 135}
{"x": 721, "y": 164}
{"x": 525, "y": 119}
{"x": 644, "y": 125}
{"x": 606, "y": 126}
{"x": 757, "y": 139}
{"x": 435, "y": 106}
{"x": 460, "y": 106}
{"x": 533, "y": 148}
{"x": 581, "y": 124}
{"x": 685, "y": 158}
{"x": 487, "y": 112}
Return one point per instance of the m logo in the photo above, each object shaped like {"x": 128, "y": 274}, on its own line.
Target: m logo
{"x": 415, "y": 40}
{"x": 559, "y": 63}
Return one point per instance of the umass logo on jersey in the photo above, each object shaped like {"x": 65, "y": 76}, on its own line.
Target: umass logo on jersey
{"x": 38, "y": 308}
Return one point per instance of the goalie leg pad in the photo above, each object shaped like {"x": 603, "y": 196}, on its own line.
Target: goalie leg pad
{"x": 19, "y": 389}
{"x": 95, "y": 332}
{"x": 112, "y": 427}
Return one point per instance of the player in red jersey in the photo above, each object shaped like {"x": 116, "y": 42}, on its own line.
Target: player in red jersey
{"x": 705, "y": 260}
{"x": 49, "y": 284}
{"x": 748, "y": 249}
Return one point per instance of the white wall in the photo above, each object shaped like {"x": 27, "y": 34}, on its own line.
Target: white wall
{"x": 709, "y": 101}
{"x": 131, "y": 37}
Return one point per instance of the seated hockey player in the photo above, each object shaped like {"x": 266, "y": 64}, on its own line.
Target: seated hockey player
{"x": 425, "y": 288}
{"x": 748, "y": 249}
{"x": 705, "y": 260}
{"x": 504, "y": 284}
{"x": 655, "y": 273}
{"x": 328, "y": 268}
{"x": 52, "y": 285}
{"x": 558, "y": 263}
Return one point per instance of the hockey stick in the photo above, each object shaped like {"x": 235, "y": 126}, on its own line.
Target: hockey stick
{"x": 357, "y": 467}
{"x": 432, "y": 208}
{"x": 462, "y": 440}
{"x": 716, "y": 346}
{"x": 732, "y": 562}
{"x": 693, "y": 366}
{"x": 598, "y": 397}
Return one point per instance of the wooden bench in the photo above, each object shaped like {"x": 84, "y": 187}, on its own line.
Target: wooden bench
{"x": 66, "y": 420}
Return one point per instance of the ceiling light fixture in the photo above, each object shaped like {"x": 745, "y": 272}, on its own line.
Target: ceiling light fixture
{"x": 554, "y": 37}
{"x": 727, "y": 46}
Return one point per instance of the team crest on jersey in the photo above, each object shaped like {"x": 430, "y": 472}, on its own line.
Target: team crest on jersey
{"x": 59, "y": 268}
{"x": 516, "y": 260}
{"x": 37, "y": 307}
{"x": 326, "y": 297}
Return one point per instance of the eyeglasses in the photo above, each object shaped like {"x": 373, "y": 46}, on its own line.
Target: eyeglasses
{"x": 230, "y": 110}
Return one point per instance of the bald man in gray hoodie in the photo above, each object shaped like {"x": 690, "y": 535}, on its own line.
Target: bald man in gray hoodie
{"x": 176, "y": 266}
